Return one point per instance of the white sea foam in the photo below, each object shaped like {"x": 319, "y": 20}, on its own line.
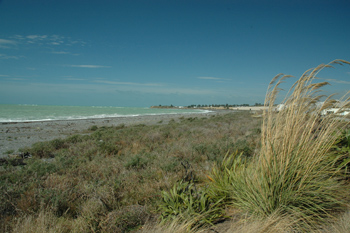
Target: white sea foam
{"x": 32, "y": 113}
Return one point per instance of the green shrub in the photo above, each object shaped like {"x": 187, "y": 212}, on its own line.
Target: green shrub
{"x": 9, "y": 152}
{"x": 185, "y": 201}
{"x": 42, "y": 150}
{"x": 242, "y": 146}
{"x": 340, "y": 152}
{"x": 93, "y": 128}
{"x": 137, "y": 161}
{"x": 38, "y": 168}
{"x": 47, "y": 149}
{"x": 58, "y": 143}
{"x": 171, "y": 165}
{"x": 109, "y": 148}
{"x": 342, "y": 144}
{"x": 211, "y": 151}
{"x": 76, "y": 138}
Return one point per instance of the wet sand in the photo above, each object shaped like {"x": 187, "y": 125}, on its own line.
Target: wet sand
{"x": 14, "y": 136}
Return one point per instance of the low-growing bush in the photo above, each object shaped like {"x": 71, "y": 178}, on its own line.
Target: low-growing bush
{"x": 185, "y": 201}
{"x": 69, "y": 181}
{"x": 139, "y": 161}
{"x": 42, "y": 150}
{"x": 93, "y": 128}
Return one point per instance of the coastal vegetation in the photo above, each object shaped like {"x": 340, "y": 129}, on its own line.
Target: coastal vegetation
{"x": 110, "y": 179}
{"x": 283, "y": 171}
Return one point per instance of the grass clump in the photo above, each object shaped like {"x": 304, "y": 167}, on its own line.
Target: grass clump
{"x": 296, "y": 173}
{"x": 293, "y": 174}
{"x": 184, "y": 201}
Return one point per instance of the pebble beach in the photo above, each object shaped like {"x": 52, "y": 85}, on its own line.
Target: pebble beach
{"x": 17, "y": 135}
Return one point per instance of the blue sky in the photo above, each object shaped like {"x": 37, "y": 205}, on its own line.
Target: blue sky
{"x": 151, "y": 52}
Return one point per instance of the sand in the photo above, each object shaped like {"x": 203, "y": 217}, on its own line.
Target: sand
{"x": 14, "y": 136}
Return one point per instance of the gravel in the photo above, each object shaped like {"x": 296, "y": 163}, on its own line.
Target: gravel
{"x": 16, "y": 135}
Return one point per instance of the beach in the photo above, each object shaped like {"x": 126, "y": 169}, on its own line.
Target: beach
{"x": 17, "y": 135}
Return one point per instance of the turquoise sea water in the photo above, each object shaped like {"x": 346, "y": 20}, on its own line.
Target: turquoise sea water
{"x": 24, "y": 113}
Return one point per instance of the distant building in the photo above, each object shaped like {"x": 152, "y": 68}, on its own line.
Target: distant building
{"x": 334, "y": 111}
{"x": 324, "y": 112}
{"x": 280, "y": 107}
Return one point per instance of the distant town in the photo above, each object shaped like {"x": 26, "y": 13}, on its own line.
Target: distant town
{"x": 258, "y": 107}
{"x": 210, "y": 106}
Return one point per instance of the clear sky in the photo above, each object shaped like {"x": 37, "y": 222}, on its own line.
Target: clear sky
{"x": 151, "y": 52}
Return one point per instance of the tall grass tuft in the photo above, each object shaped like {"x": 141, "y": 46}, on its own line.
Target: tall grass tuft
{"x": 295, "y": 172}
{"x": 293, "y": 175}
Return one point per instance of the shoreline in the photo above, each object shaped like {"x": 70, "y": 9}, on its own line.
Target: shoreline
{"x": 104, "y": 117}
{"x": 17, "y": 135}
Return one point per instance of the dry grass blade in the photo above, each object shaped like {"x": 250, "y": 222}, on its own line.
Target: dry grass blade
{"x": 178, "y": 225}
{"x": 295, "y": 142}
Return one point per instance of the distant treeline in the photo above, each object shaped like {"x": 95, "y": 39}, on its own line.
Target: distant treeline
{"x": 209, "y": 105}
{"x": 216, "y": 105}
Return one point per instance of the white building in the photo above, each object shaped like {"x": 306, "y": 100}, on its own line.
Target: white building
{"x": 334, "y": 111}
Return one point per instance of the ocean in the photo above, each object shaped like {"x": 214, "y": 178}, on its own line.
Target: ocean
{"x": 26, "y": 113}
